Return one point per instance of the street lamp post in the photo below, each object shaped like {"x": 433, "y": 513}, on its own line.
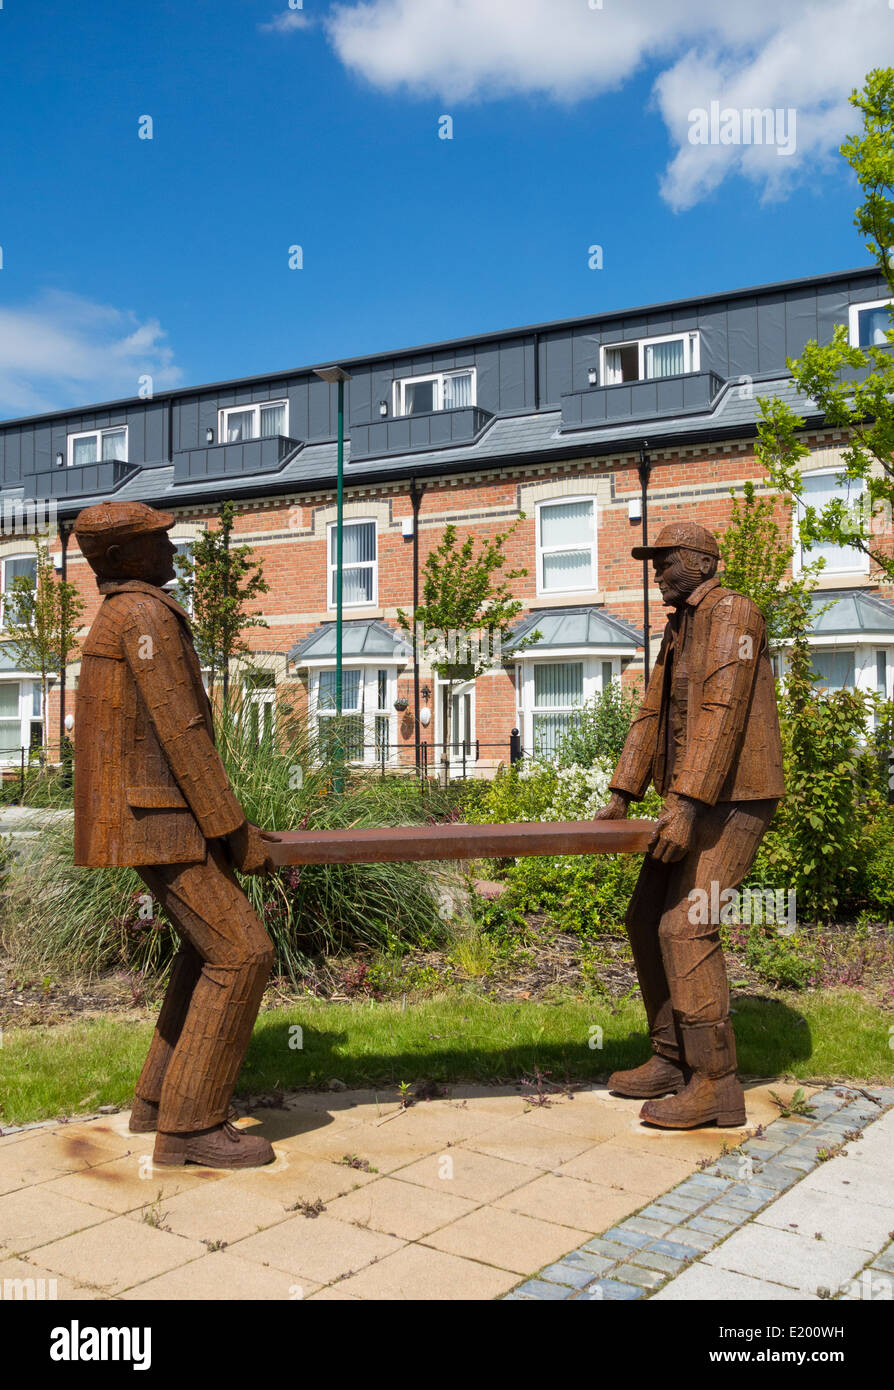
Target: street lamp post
{"x": 339, "y": 375}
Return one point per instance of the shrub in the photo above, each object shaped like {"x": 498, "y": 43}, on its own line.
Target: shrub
{"x": 599, "y": 728}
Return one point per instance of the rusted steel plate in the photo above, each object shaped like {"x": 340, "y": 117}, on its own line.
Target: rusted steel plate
{"x": 457, "y": 841}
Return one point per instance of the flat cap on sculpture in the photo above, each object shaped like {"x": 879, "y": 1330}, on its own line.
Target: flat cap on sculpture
{"x": 114, "y": 523}
{"x": 686, "y": 535}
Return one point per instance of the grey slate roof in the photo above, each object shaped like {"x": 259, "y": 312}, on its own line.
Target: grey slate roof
{"x": 850, "y": 613}
{"x": 368, "y": 637}
{"x": 575, "y": 627}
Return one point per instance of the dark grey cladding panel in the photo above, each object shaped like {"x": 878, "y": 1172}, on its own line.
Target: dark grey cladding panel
{"x": 659, "y": 324}
{"x": 411, "y": 433}
{"x": 186, "y": 424}
{"x": 554, "y": 380}
{"x": 511, "y": 392}
{"x": 246, "y": 458}
{"x": 742, "y": 338}
{"x": 864, "y": 289}
{"x": 800, "y": 320}
{"x": 771, "y": 333}
{"x": 713, "y": 339}
{"x": 831, "y": 309}
{"x": 488, "y": 387}
{"x": 584, "y": 355}
{"x": 685, "y": 321}
{"x": 322, "y": 409}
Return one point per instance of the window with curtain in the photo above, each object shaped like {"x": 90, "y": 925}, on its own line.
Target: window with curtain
{"x": 437, "y": 391}
{"x": 10, "y": 720}
{"x": 818, "y": 489}
{"x": 15, "y": 567}
{"x": 647, "y": 358}
{"x": 358, "y": 563}
{"x": 567, "y": 545}
{"x": 664, "y": 359}
{"x": 98, "y": 445}
{"x": 558, "y": 692}
{"x": 833, "y": 670}
{"x": 253, "y": 421}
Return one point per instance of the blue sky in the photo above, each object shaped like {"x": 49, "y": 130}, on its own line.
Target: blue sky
{"x": 319, "y": 127}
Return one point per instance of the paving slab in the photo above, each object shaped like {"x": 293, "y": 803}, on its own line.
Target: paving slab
{"x": 317, "y": 1248}
{"x": 505, "y": 1238}
{"x": 418, "y": 1272}
{"x": 400, "y": 1209}
{"x": 222, "y": 1275}
{"x": 797, "y": 1261}
{"x": 706, "y": 1283}
{"x": 117, "y": 1254}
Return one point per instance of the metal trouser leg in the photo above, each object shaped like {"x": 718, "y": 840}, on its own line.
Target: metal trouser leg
{"x": 212, "y": 915}
{"x": 727, "y": 837}
{"x": 642, "y": 920}
{"x": 185, "y": 970}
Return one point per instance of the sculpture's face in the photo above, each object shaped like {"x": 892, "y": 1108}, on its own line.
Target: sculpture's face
{"x": 679, "y": 572}
{"x": 149, "y": 557}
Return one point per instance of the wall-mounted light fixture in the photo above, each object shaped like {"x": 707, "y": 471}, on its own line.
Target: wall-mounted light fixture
{"x": 60, "y": 459}
{"x": 592, "y": 376}
{"x": 209, "y": 435}
{"x": 383, "y": 407}
{"x": 426, "y": 694}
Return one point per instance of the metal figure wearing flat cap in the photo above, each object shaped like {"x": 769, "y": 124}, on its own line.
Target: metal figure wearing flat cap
{"x": 707, "y": 737}
{"x": 151, "y": 792}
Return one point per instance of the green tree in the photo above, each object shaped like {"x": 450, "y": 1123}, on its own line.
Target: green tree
{"x": 756, "y": 554}
{"x": 217, "y": 581}
{"x": 853, "y": 387}
{"x": 40, "y": 619}
{"x": 465, "y": 613}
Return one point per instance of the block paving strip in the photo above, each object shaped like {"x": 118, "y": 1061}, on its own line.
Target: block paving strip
{"x": 642, "y": 1255}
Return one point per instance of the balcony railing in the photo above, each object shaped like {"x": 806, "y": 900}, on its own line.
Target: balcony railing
{"x": 236, "y": 460}
{"x": 80, "y": 480}
{"x": 660, "y": 396}
{"x": 405, "y": 434}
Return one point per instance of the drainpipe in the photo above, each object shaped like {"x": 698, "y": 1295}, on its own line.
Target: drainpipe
{"x": 64, "y": 533}
{"x": 644, "y": 469}
{"x": 416, "y": 502}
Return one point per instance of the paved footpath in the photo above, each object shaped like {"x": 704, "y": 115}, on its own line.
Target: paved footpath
{"x": 480, "y": 1194}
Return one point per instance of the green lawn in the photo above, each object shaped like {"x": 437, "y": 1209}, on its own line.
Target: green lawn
{"x": 70, "y": 1069}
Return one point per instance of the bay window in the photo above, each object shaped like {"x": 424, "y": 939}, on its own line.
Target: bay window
{"x": 558, "y": 692}
{"x": 20, "y": 718}
{"x": 367, "y": 702}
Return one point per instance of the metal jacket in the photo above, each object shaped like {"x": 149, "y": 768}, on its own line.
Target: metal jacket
{"x": 708, "y": 727}
{"x": 150, "y": 787}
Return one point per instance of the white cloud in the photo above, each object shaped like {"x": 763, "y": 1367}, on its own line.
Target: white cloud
{"x": 285, "y": 23}
{"x": 62, "y": 349}
{"x": 805, "y": 54}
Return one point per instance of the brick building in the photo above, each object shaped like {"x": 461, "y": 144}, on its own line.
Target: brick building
{"x": 554, "y": 421}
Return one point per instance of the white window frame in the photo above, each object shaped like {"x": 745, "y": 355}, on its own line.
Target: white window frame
{"x": 24, "y": 555}
{"x": 854, "y": 312}
{"x": 397, "y": 404}
{"x": 172, "y": 585}
{"x": 594, "y": 662}
{"x": 691, "y": 354}
{"x": 331, "y": 566}
{"x": 542, "y": 550}
{"x": 861, "y": 566}
{"x": 26, "y": 717}
{"x": 98, "y": 435}
{"x": 255, "y": 407}
{"x": 368, "y": 708}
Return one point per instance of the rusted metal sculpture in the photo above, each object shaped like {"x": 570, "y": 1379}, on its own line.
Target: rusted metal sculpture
{"x": 151, "y": 792}
{"x": 707, "y": 736}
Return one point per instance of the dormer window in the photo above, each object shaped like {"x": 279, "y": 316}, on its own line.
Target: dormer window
{"x": 95, "y": 446}
{"x": 672, "y": 355}
{"x": 870, "y": 323}
{"x": 419, "y": 395}
{"x": 242, "y": 422}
